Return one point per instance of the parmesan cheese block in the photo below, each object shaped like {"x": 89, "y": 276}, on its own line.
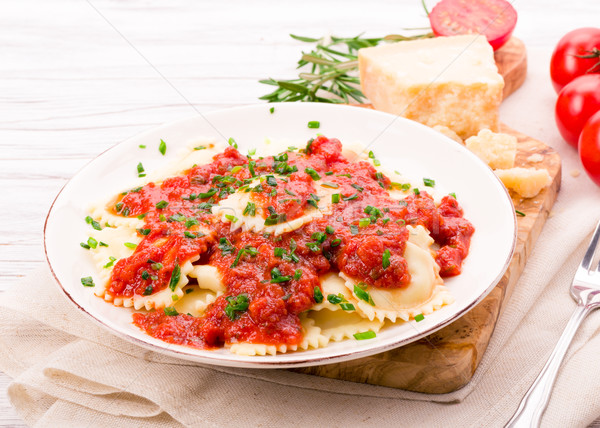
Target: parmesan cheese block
{"x": 497, "y": 150}
{"x": 449, "y": 81}
{"x": 527, "y": 182}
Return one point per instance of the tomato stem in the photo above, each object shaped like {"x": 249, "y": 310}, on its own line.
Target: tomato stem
{"x": 594, "y": 53}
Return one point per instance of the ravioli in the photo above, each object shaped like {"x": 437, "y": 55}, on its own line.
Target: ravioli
{"x": 225, "y": 250}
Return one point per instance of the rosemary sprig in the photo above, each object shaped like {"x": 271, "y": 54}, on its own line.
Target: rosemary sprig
{"x": 331, "y": 76}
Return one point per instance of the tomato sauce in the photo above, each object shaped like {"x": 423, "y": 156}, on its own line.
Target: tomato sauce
{"x": 271, "y": 279}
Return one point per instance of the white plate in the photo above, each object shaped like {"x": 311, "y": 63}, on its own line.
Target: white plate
{"x": 399, "y": 143}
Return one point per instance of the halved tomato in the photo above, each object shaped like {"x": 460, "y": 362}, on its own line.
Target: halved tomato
{"x": 496, "y": 19}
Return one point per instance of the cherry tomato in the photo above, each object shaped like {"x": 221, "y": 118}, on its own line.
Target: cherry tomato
{"x": 496, "y": 19}
{"x": 567, "y": 59}
{"x": 579, "y": 100}
{"x": 589, "y": 147}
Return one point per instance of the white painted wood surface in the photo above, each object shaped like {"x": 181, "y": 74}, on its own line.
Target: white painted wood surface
{"x": 78, "y": 76}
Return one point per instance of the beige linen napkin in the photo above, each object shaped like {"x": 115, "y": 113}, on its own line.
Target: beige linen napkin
{"x": 69, "y": 372}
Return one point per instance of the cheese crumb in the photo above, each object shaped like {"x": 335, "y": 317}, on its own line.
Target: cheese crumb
{"x": 497, "y": 150}
{"x": 527, "y": 182}
{"x": 450, "y": 81}
{"x": 535, "y": 158}
{"x": 575, "y": 173}
{"x": 448, "y": 133}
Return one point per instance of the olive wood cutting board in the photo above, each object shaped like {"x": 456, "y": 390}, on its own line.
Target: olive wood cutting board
{"x": 447, "y": 359}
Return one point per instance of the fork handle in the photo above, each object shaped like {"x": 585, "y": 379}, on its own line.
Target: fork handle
{"x": 531, "y": 409}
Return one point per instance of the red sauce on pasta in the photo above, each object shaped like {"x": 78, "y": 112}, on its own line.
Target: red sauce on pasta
{"x": 271, "y": 279}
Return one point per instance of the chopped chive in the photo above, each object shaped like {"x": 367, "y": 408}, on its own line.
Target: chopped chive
{"x": 419, "y": 317}
{"x": 111, "y": 261}
{"x": 385, "y": 261}
{"x": 231, "y": 218}
{"x": 162, "y": 147}
{"x": 142, "y": 146}
{"x": 277, "y": 277}
{"x": 89, "y": 220}
{"x": 336, "y": 242}
{"x": 369, "y": 334}
{"x": 225, "y": 247}
{"x": 140, "y": 170}
{"x": 376, "y": 162}
{"x": 237, "y": 258}
{"x": 453, "y": 195}
{"x": 208, "y": 194}
{"x": 92, "y": 242}
{"x": 334, "y": 299}
{"x": 330, "y": 185}
{"x": 251, "y": 152}
{"x": 329, "y": 229}
{"x": 363, "y": 295}
{"x": 175, "y": 276}
{"x": 347, "y": 306}
{"x": 357, "y": 187}
{"x": 87, "y": 281}
{"x": 297, "y": 274}
{"x": 353, "y": 229}
{"x": 314, "y": 174}
{"x": 272, "y": 110}
{"x": 236, "y": 169}
{"x": 520, "y": 213}
{"x": 329, "y": 173}
{"x": 130, "y": 245}
{"x": 335, "y": 198}
{"x": 144, "y": 231}
{"x": 416, "y": 191}
{"x": 161, "y": 205}
{"x": 148, "y": 290}
{"x": 232, "y": 143}
{"x": 350, "y": 198}
{"x": 190, "y": 221}
{"x": 364, "y": 222}
{"x": 156, "y": 266}
{"x": 170, "y": 311}
{"x": 271, "y": 181}
{"x": 145, "y": 275}
{"x": 313, "y": 246}
{"x": 251, "y": 166}
{"x": 319, "y": 237}
{"x": 371, "y": 154}
{"x": 200, "y": 148}
{"x": 250, "y": 209}
{"x": 314, "y": 124}
{"x": 317, "y": 295}
{"x": 236, "y": 305}
{"x": 174, "y": 297}
{"x": 279, "y": 252}
{"x": 429, "y": 182}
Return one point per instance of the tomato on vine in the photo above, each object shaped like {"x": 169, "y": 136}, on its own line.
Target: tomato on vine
{"x": 589, "y": 147}
{"x": 576, "y": 54}
{"x": 576, "y": 103}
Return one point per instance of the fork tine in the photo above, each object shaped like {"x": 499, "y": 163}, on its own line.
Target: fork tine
{"x": 589, "y": 254}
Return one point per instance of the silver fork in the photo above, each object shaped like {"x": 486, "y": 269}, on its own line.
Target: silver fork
{"x": 585, "y": 290}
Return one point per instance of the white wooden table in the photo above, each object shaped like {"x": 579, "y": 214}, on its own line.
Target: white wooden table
{"x": 78, "y": 76}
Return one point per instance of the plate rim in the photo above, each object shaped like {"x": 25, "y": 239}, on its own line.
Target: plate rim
{"x": 269, "y": 361}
